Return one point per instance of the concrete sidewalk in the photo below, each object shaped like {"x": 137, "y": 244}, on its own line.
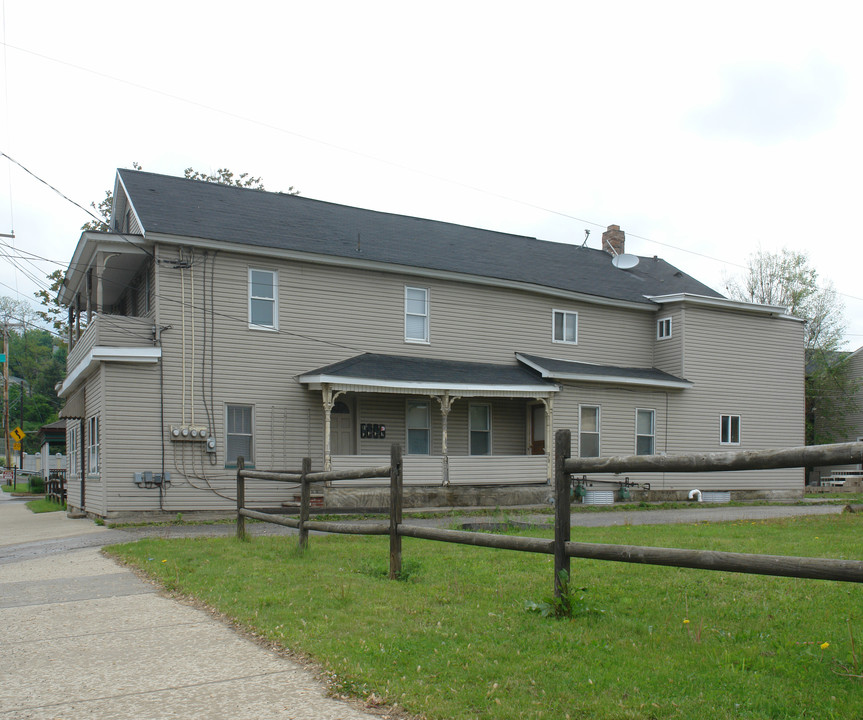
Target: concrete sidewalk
{"x": 82, "y": 637}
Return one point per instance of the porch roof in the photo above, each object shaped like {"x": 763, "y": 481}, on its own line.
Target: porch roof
{"x": 371, "y": 372}
{"x": 590, "y": 372}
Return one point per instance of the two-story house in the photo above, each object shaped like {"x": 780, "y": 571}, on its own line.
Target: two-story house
{"x": 215, "y": 322}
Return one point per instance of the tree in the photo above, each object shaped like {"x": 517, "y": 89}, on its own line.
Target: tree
{"x": 787, "y": 279}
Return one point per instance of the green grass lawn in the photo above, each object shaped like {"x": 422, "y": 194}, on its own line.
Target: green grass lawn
{"x": 454, "y": 640}
{"x": 45, "y": 505}
{"x": 19, "y": 487}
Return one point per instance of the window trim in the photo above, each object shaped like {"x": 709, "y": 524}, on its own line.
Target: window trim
{"x": 274, "y": 300}
{"x": 722, "y": 423}
{"x": 660, "y": 324}
{"x": 408, "y": 403}
{"x": 426, "y": 339}
{"x": 470, "y": 430}
{"x": 565, "y": 313}
{"x": 93, "y": 447}
{"x": 248, "y": 462}
{"x": 652, "y": 435}
{"x": 598, "y": 432}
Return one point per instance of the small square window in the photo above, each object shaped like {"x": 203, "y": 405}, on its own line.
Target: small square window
{"x": 564, "y": 327}
{"x": 729, "y": 430}
{"x": 663, "y": 328}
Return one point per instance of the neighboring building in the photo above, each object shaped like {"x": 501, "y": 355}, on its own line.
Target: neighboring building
{"x": 840, "y": 418}
{"x": 225, "y": 322}
{"x": 52, "y": 444}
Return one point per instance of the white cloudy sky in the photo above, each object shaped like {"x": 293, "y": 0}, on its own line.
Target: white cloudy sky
{"x": 705, "y": 130}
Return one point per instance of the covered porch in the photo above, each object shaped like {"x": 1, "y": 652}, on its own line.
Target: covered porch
{"x": 460, "y": 423}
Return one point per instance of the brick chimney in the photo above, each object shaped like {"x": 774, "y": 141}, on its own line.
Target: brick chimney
{"x": 613, "y": 240}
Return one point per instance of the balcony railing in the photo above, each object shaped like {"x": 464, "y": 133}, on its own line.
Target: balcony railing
{"x": 111, "y": 331}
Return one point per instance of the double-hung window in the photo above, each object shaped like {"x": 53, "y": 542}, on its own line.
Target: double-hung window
{"x": 645, "y": 432}
{"x": 418, "y": 423}
{"x": 263, "y": 299}
{"x": 239, "y": 438}
{"x": 416, "y": 315}
{"x": 663, "y": 328}
{"x": 564, "y": 327}
{"x": 480, "y": 429}
{"x": 72, "y": 455}
{"x": 588, "y": 431}
{"x": 93, "y": 444}
{"x": 729, "y": 430}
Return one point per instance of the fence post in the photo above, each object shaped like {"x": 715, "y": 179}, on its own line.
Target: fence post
{"x": 562, "y": 445}
{"x": 305, "y": 501}
{"x": 241, "y": 499}
{"x": 396, "y": 485}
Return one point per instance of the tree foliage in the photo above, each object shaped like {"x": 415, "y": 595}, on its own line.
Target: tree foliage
{"x": 787, "y": 278}
{"x": 37, "y": 362}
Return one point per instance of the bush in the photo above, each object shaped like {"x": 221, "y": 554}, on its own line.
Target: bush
{"x": 37, "y": 484}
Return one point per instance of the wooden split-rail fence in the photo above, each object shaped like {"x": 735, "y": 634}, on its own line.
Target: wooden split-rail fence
{"x": 561, "y": 547}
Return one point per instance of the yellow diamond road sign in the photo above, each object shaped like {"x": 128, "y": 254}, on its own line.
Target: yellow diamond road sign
{"x": 18, "y": 434}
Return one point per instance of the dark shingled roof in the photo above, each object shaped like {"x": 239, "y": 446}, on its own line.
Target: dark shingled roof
{"x": 177, "y": 206}
{"x": 603, "y": 373}
{"x": 398, "y": 368}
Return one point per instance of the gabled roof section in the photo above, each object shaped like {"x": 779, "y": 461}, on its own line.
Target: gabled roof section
{"x": 589, "y": 372}
{"x": 372, "y": 372}
{"x": 174, "y": 206}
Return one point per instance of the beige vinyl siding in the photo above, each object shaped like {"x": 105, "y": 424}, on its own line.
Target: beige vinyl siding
{"x": 617, "y": 406}
{"x": 747, "y": 365}
{"x": 668, "y": 353}
{"x": 94, "y": 489}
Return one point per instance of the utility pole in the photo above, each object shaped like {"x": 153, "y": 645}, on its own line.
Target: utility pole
{"x": 6, "y": 394}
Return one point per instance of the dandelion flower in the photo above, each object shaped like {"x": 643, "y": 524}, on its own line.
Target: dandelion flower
{"x": 686, "y": 622}
{"x": 825, "y": 645}
{"x": 164, "y": 561}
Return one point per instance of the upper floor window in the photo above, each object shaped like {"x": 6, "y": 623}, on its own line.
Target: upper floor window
{"x": 565, "y": 327}
{"x": 239, "y": 438}
{"x": 93, "y": 444}
{"x": 729, "y": 430}
{"x": 645, "y": 432}
{"x": 418, "y": 423}
{"x": 263, "y": 294}
{"x": 588, "y": 431}
{"x": 416, "y": 314}
{"x": 480, "y": 429}
{"x": 663, "y": 328}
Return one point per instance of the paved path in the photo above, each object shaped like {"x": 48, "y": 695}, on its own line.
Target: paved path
{"x": 84, "y": 637}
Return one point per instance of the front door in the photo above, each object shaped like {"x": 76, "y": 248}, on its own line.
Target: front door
{"x": 537, "y": 429}
{"x": 341, "y": 430}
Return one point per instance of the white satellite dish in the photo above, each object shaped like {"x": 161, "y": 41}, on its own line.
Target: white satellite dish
{"x": 625, "y": 261}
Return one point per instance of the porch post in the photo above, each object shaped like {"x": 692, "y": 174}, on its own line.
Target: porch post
{"x": 446, "y": 402}
{"x": 548, "y": 402}
{"x": 329, "y": 401}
